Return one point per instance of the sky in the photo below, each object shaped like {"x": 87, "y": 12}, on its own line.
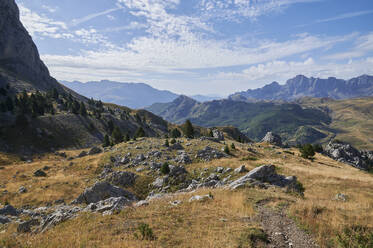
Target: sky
{"x": 211, "y": 47}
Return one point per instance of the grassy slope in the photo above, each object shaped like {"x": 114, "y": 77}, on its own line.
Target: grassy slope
{"x": 352, "y": 120}
{"x": 222, "y": 222}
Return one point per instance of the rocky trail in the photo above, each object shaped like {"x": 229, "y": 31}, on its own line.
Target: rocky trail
{"x": 281, "y": 230}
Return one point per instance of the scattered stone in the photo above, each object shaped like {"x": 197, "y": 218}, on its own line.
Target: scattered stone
{"x": 183, "y": 158}
{"x": 240, "y": 169}
{"x": 200, "y": 198}
{"x": 40, "y": 173}
{"x": 102, "y": 191}
{"x": 227, "y": 170}
{"x": 9, "y": 210}
{"x": 160, "y": 182}
{"x": 62, "y": 214}
{"x": 46, "y": 168}
{"x": 176, "y": 146}
{"x": 218, "y": 135}
{"x": 273, "y": 139}
{"x": 22, "y": 190}
{"x": 94, "y": 150}
{"x": 175, "y": 203}
{"x": 4, "y": 220}
{"x": 59, "y": 201}
{"x": 109, "y": 206}
{"x": 82, "y": 154}
{"x": 341, "y": 197}
{"x": 25, "y": 227}
{"x": 209, "y": 153}
{"x": 142, "y": 203}
{"x": 219, "y": 169}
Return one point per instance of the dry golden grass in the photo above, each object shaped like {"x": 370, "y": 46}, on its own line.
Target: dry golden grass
{"x": 214, "y": 223}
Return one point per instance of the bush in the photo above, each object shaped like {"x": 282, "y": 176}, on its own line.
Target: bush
{"x": 146, "y": 232}
{"x": 318, "y": 148}
{"x": 165, "y": 169}
{"x": 166, "y": 143}
{"x": 175, "y": 133}
{"x": 173, "y": 141}
{"x": 188, "y": 129}
{"x": 106, "y": 141}
{"x": 307, "y": 151}
{"x": 233, "y": 147}
{"x": 117, "y": 135}
{"x": 226, "y": 149}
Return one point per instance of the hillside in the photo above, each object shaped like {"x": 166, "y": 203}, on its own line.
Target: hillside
{"x": 301, "y": 86}
{"x": 39, "y": 114}
{"x": 256, "y": 215}
{"x": 133, "y": 95}
{"x": 253, "y": 119}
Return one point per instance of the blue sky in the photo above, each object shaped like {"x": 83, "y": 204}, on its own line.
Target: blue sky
{"x": 201, "y": 46}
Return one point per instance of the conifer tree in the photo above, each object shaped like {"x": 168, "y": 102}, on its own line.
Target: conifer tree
{"x": 188, "y": 129}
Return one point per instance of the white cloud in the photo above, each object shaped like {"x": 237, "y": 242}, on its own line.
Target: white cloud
{"x": 363, "y": 46}
{"x": 345, "y": 16}
{"x": 49, "y": 8}
{"x": 87, "y": 18}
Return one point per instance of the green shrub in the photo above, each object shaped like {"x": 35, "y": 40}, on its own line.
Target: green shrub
{"x": 106, "y": 141}
{"x": 146, "y": 232}
{"x": 355, "y": 236}
{"x": 307, "y": 151}
{"x": 173, "y": 141}
{"x": 166, "y": 143}
{"x": 226, "y": 149}
{"x": 165, "y": 169}
{"x": 233, "y": 147}
{"x": 318, "y": 148}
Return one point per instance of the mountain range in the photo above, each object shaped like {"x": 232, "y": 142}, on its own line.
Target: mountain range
{"x": 133, "y": 95}
{"x": 302, "y": 86}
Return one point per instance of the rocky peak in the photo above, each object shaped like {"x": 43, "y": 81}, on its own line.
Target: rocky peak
{"x": 18, "y": 53}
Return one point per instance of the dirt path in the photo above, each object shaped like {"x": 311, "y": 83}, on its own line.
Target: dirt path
{"x": 281, "y": 230}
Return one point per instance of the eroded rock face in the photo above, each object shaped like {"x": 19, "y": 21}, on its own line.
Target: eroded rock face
{"x": 18, "y": 52}
{"x": 346, "y": 153}
{"x": 62, "y": 214}
{"x": 266, "y": 174}
{"x": 273, "y": 139}
{"x": 109, "y": 206}
{"x": 102, "y": 191}
{"x": 121, "y": 178}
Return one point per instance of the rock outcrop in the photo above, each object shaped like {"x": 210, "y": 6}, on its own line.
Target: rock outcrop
{"x": 346, "y": 153}
{"x": 18, "y": 53}
{"x": 266, "y": 174}
{"x": 273, "y": 139}
{"x": 102, "y": 191}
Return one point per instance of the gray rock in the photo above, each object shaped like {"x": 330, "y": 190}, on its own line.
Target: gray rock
{"x": 22, "y": 190}
{"x": 175, "y": 203}
{"x": 4, "y": 220}
{"x": 346, "y": 153}
{"x": 219, "y": 169}
{"x": 102, "y": 191}
{"x": 200, "y": 198}
{"x": 273, "y": 139}
{"x": 183, "y": 158}
{"x": 341, "y": 197}
{"x": 218, "y": 135}
{"x": 176, "y": 171}
{"x": 240, "y": 169}
{"x": 209, "y": 153}
{"x": 26, "y": 226}
{"x": 266, "y": 174}
{"x": 9, "y": 210}
{"x": 109, "y": 206}
{"x": 142, "y": 203}
{"x": 40, "y": 173}
{"x": 176, "y": 146}
{"x": 62, "y": 214}
{"x": 94, "y": 150}
{"x": 121, "y": 178}
{"x": 160, "y": 182}
{"x": 82, "y": 154}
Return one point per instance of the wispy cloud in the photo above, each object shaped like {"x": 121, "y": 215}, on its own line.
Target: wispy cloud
{"x": 87, "y": 18}
{"x": 345, "y": 16}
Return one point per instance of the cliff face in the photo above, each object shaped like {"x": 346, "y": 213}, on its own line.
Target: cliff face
{"x": 19, "y": 56}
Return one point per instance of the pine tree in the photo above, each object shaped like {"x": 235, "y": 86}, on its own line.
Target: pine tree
{"x": 188, "y": 129}
{"x": 140, "y": 132}
{"x": 127, "y": 138}
{"x": 106, "y": 141}
{"x": 307, "y": 151}
{"x": 117, "y": 135}
{"x": 226, "y": 149}
{"x": 233, "y": 146}
{"x": 165, "y": 169}
{"x": 83, "y": 110}
{"x": 175, "y": 133}
{"x": 166, "y": 143}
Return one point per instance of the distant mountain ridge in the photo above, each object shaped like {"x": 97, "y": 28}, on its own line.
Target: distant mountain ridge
{"x": 133, "y": 95}
{"x": 302, "y": 86}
